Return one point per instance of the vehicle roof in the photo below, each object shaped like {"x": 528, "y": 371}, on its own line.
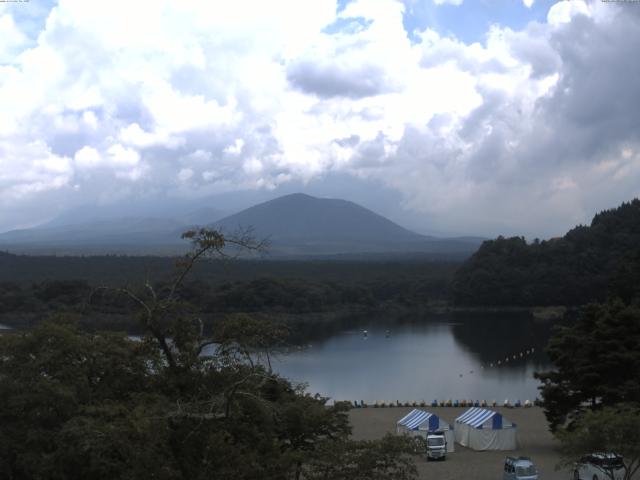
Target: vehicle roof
{"x": 603, "y": 455}
{"x": 519, "y": 461}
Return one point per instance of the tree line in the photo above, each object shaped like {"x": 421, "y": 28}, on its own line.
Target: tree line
{"x": 301, "y": 301}
{"x": 590, "y": 263}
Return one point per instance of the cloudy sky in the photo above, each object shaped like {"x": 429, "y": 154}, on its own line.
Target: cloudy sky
{"x": 450, "y": 116}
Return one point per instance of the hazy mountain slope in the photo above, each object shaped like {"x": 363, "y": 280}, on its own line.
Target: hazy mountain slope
{"x": 295, "y": 224}
{"x": 302, "y": 217}
{"x": 103, "y": 232}
{"x": 299, "y": 224}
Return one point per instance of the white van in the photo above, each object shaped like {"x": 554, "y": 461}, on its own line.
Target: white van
{"x": 599, "y": 466}
{"x": 520, "y": 468}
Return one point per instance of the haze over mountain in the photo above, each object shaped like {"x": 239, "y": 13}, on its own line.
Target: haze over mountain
{"x": 295, "y": 224}
{"x": 123, "y": 235}
{"x": 106, "y": 232}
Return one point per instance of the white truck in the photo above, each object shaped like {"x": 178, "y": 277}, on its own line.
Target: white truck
{"x": 436, "y": 446}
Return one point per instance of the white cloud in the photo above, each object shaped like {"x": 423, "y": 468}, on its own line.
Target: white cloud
{"x": 528, "y": 3}
{"x": 90, "y": 119}
{"x": 252, "y": 95}
{"x": 12, "y": 38}
{"x": 122, "y": 156}
{"x": 563, "y": 12}
{"x": 252, "y": 166}
{"x": 28, "y": 169}
{"x": 235, "y": 148}
{"x": 134, "y": 135}
{"x": 87, "y": 157}
{"x": 448, "y": 2}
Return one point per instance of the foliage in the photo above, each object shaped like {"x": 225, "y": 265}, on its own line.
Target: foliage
{"x": 54, "y": 381}
{"x": 587, "y": 264}
{"x": 363, "y": 460}
{"x": 311, "y": 297}
{"x": 181, "y": 403}
{"x": 611, "y": 429}
{"x": 597, "y": 363}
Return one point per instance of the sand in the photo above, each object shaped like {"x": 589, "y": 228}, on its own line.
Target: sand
{"x": 534, "y": 441}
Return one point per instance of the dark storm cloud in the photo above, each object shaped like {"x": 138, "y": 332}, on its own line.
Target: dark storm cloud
{"x": 598, "y": 92}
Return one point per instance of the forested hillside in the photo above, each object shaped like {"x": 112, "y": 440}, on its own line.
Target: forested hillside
{"x": 309, "y": 294}
{"x": 590, "y": 263}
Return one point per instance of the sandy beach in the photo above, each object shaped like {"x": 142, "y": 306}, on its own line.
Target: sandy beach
{"x": 534, "y": 441}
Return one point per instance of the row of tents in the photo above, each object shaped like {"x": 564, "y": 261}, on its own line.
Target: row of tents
{"x": 477, "y": 428}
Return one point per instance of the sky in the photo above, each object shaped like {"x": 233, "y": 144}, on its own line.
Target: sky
{"x": 483, "y": 117}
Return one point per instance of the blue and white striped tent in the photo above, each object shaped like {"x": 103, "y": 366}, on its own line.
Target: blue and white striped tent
{"x": 482, "y": 429}
{"x": 420, "y": 423}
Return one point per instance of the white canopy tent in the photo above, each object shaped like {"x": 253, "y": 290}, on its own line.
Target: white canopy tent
{"x": 482, "y": 429}
{"x": 420, "y": 423}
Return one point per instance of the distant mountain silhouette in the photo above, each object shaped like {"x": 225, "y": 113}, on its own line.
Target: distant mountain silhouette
{"x": 302, "y": 224}
{"x": 119, "y": 231}
{"x": 303, "y": 217}
{"x": 296, "y": 224}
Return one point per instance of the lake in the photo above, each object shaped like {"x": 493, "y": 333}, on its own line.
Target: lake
{"x": 443, "y": 357}
{"x": 421, "y": 357}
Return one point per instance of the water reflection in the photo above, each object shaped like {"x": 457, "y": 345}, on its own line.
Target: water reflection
{"x": 426, "y": 359}
{"x": 508, "y": 338}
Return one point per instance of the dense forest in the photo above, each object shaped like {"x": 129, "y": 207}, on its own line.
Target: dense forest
{"x": 590, "y": 263}
{"x": 100, "y": 405}
{"x": 310, "y": 297}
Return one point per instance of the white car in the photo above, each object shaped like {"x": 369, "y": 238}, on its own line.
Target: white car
{"x": 599, "y": 466}
{"x": 519, "y": 468}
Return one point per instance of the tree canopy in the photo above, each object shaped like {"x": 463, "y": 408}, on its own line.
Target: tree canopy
{"x": 590, "y": 263}
{"x": 179, "y": 403}
{"x": 597, "y": 363}
{"x": 614, "y": 429}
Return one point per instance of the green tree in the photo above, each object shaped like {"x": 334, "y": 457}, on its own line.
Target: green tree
{"x": 611, "y": 429}
{"x": 56, "y": 381}
{"x": 179, "y": 404}
{"x": 363, "y": 460}
{"x": 588, "y": 264}
{"x": 597, "y": 363}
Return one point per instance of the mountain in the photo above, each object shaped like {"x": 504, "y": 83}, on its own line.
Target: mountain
{"x": 110, "y": 235}
{"x": 300, "y": 224}
{"x": 590, "y": 263}
{"x": 303, "y": 217}
{"x": 295, "y": 225}
{"x": 76, "y": 233}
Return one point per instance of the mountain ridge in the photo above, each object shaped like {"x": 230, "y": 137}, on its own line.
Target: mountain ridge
{"x": 305, "y": 216}
{"x": 296, "y": 224}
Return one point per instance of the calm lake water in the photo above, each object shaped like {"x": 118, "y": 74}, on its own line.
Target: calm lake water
{"x": 426, "y": 358}
{"x": 452, "y": 357}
